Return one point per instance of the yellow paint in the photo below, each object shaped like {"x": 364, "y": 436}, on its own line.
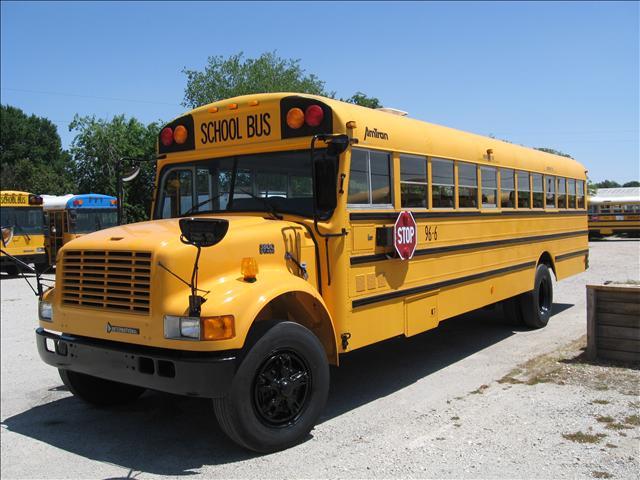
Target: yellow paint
{"x": 28, "y": 247}
{"x": 328, "y": 308}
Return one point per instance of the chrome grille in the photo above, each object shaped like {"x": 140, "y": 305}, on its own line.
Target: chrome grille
{"x": 108, "y": 280}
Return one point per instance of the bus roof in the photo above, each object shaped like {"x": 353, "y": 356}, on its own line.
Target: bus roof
{"x": 621, "y": 194}
{"x": 380, "y": 129}
{"x": 87, "y": 200}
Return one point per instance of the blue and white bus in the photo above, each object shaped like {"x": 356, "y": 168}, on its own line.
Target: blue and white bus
{"x": 71, "y": 216}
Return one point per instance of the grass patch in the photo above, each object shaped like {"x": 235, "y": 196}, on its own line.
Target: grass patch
{"x": 633, "y": 420}
{"x": 601, "y": 402}
{"x": 611, "y": 445}
{"x": 581, "y": 437}
{"x": 598, "y": 474}
{"x": 617, "y": 426}
{"x": 455, "y": 418}
{"x": 605, "y": 419}
{"x": 480, "y": 389}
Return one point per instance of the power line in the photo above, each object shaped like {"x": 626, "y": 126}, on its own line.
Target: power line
{"x": 62, "y": 94}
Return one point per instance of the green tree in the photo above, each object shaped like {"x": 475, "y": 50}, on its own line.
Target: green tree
{"x": 31, "y": 157}
{"x": 607, "y": 184}
{"x": 97, "y": 148}
{"x": 363, "y": 100}
{"x": 236, "y": 75}
{"x": 553, "y": 151}
{"x": 633, "y": 183}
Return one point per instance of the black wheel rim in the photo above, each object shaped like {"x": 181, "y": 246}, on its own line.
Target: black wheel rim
{"x": 544, "y": 296}
{"x": 281, "y": 388}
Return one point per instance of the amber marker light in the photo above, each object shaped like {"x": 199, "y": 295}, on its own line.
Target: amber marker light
{"x": 218, "y": 328}
{"x": 233, "y": 106}
{"x": 253, "y": 103}
{"x": 213, "y": 110}
{"x": 180, "y": 134}
{"x": 249, "y": 269}
{"x": 295, "y": 117}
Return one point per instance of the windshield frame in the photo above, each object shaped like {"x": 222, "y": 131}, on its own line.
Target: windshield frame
{"x": 234, "y": 187}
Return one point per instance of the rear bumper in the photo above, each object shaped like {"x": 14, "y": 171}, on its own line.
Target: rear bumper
{"x": 179, "y": 372}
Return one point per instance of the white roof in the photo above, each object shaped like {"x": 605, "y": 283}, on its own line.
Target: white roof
{"x": 55, "y": 202}
{"x": 620, "y": 194}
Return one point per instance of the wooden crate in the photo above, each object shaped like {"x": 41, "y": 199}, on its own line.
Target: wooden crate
{"x": 613, "y": 322}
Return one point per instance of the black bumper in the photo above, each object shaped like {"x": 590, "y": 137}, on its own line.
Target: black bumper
{"x": 183, "y": 373}
{"x": 35, "y": 258}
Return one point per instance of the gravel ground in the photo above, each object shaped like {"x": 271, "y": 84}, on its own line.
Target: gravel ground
{"x": 472, "y": 399}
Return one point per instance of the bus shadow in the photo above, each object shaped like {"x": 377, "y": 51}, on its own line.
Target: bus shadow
{"x": 165, "y": 434}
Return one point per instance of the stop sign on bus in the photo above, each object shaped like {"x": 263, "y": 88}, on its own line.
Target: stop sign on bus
{"x": 405, "y": 235}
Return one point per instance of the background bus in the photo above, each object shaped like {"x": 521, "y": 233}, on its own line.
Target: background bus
{"x": 22, "y": 230}
{"x": 70, "y": 216}
{"x": 615, "y": 210}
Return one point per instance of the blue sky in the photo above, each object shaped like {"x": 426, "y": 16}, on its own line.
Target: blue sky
{"x": 554, "y": 74}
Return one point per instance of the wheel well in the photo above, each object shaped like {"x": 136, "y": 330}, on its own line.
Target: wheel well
{"x": 546, "y": 259}
{"x": 302, "y": 308}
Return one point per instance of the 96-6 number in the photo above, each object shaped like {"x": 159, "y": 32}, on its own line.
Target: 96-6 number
{"x": 431, "y": 233}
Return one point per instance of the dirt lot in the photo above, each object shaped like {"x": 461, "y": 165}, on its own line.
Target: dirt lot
{"x": 474, "y": 398}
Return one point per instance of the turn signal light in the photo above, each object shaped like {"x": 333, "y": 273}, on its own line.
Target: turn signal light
{"x": 77, "y": 202}
{"x": 313, "y": 115}
{"x": 295, "y": 117}
{"x": 166, "y": 136}
{"x": 249, "y": 269}
{"x": 180, "y": 134}
{"x": 218, "y": 328}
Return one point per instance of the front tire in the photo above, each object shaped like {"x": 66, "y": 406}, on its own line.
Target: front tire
{"x": 99, "y": 391}
{"x": 536, "y": 305}
{"x": 278, "y": 392}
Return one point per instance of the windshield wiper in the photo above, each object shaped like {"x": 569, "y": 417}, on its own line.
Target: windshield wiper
{"x": 17, "y": 226}
{"x": 266, "y": 202}
{"x": 208, "y": 199}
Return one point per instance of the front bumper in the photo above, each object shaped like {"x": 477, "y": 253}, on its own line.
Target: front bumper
{"x": 35, "y": 258}
{"x": 196, "y": 374}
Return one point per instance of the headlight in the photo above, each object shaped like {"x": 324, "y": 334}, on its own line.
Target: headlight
{"x": 45, "y": 312}
{"x": 199, "y": 328}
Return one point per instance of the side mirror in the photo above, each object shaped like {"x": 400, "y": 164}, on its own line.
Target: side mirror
{"x": 337, "y": 144}
{"x": 203, "y": 232}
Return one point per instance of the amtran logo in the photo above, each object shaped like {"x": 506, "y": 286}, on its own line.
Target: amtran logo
{"x": 118, "y": 329}
{"x": 375, "y": 133}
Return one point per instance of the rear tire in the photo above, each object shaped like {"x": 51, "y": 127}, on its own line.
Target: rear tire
{"x": 99, "y": 391}
{"x": 536, "y": 305}
{"x": 278, "y": 392}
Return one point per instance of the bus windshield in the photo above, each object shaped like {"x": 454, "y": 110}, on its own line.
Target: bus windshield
{"x": 24, "y": 220}
{"x": 279, "y": 181}
{"x": 87, "y": 221}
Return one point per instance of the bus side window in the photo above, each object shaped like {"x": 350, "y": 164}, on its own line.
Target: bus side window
{"x": 580, "y": 194}
{"x": 442, "y": 183}
{"x": 562, "y": 192}
{"x": 507, "y": 188}
{"x": 467, "y": 185}
{"x": 538, "y": 192}
{"x": 524, "y": 190}
{"x": 489, "y": 187}
{"x": 551, "y": 191}
{"x": 369, "y": 178}
{"x": 572, "y": 193}
{"x": 413, "y": 181}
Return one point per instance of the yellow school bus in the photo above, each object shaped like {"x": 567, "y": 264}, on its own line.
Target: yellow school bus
{"x": 615, "y": 211}
{"x": 288, "y": 230}
{"x": 22, "y": 230}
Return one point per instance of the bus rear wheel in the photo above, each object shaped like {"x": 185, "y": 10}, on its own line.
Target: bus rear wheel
{"x": 536, "y": 305}
{"x": 99, "y": 391}
{"x": 278, "y": 392}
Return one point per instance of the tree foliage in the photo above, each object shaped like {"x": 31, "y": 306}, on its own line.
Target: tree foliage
{"x": 363, "y": 100}
{"x": 31, "y": 157}
{"x": 607, "y": 184}
{"x": 553, "y": 151}
{"x": 633, "y": 183}
{"x": 97, "y": 148}
{"x": 236, "y": 75}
